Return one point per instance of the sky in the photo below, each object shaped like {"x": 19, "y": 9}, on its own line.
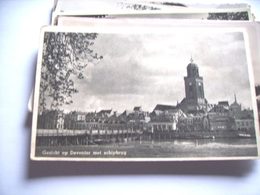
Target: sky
{"x": 145, "y": 69}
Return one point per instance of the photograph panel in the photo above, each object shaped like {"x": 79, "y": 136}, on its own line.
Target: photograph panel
{"x": 177, "y": 94}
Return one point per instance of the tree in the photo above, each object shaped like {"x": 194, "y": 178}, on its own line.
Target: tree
{"x": 65, "y": 56}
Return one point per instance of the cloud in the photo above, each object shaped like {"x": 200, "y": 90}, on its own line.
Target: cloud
{"x": 147, "y": 69}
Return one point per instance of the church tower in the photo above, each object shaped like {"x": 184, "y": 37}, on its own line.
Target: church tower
{"x": 194, "y": 90}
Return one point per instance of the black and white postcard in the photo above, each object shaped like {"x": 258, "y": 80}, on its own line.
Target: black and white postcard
{"x": 144, "y": 94}
{"x": 65, "y": 11}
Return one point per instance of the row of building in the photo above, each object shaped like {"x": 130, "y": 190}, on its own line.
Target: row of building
{"x": 221, "y": 116}
{"x": 193, "y": 113}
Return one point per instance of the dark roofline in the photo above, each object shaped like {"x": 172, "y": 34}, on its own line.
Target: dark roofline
{"x": 103, "y": 111}
{"x": 163, "y": 107}
{"x": 137, "y": 108}
{"x": 223, "y": 103}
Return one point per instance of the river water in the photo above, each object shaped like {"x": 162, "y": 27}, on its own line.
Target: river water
{"x": 188, "y": 148}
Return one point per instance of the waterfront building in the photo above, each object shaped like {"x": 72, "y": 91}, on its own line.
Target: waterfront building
{"x": 137, "y": 119}
{"x": 114, "y": 123}
{"x": 193, "y": 122}
{"x": 165, "y": 118}
{"x": 220, "y": 119}
{"x": 75, "y": 120}
{"x": 244, "y": 124}
{"x": 51, "y": 119}
{"x": 163, "y": 122}
{"x": 244, "y": 120}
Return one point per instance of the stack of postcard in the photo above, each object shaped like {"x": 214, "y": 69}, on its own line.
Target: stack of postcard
{"x": 147, "y": 81}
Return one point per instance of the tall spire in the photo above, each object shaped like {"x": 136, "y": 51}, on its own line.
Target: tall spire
{"x": 191, "y": 59}
{"x": 235, "y": 98}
